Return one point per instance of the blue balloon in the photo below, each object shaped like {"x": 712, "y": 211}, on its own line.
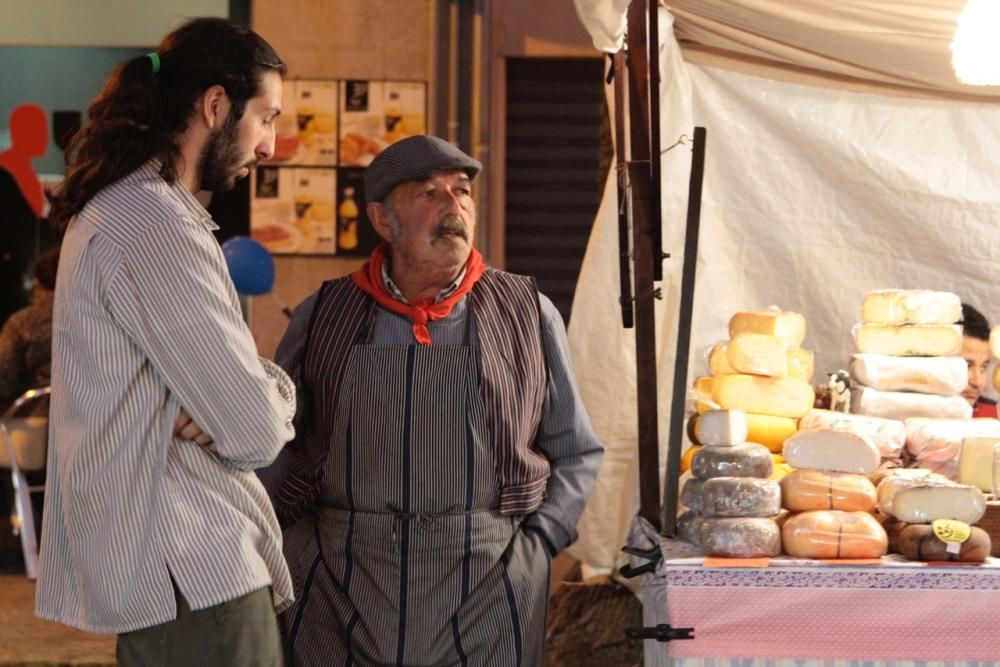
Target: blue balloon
{"x": 250, "y": 265}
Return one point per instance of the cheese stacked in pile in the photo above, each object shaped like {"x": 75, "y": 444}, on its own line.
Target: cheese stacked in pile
{"x": 911, "y": 500}
{"x": 829, "y": 493}
{"x": 728, "y": 493}
{"x": 907, "y": 363}
{"x": 763, "y": 370}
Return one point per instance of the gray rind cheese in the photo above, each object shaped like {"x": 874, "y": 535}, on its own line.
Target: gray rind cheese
{"x": 740, "y": 497}
{"x": 748, "y": 460}
{"x": 740, "y": 538}
{"x": 689, "y": 527}
{"x": 691, "y": 494}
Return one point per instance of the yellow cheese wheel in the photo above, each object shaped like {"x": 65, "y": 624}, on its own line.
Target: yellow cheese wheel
{"x": 791, "y": 327}
{"x": 686, "y": 458}
{"x": 758, "y": 354}
{"x": 769, "y": 430}
{"x": 781, "y": 397}
{"x": 801, "y": 363}
{"x": 718, "y": 361}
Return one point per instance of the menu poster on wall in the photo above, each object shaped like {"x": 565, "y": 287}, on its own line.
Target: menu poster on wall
{"x": 375, "y": 114}
{"x": 306, "y": 130}
{"x": 292, "y": 210}
{"x": 355, "y": 235}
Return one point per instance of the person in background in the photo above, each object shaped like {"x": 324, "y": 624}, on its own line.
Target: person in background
{"x": 444, "y": 455}
{"x": 976, "y": 352}
{"x": 156, "y": 527}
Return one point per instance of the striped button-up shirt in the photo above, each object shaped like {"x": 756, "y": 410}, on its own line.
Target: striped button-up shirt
{"x": 146, "y": 322}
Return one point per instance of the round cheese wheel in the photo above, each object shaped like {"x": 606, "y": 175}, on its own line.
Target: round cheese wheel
{"x": 832, "y": 534}
{"x": 691, "y": 495}
{"x": 805, "y": 490}
{"x": 917, "y": 541}
{"x": 689, "y": 527}
{"x": 688, "y": 455}
{"x": 740, "y": 538}
{"x": 748, "y": 460}
{"x": 740, "y": 497}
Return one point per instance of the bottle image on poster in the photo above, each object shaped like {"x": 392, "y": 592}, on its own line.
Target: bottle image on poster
{"x": 292, "y": 210}
{"x": 355, "y": 235}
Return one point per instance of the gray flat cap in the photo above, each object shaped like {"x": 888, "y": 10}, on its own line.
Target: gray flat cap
{"x": 414, "y": 159}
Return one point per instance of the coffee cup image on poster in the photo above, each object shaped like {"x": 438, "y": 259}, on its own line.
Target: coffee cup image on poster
{"x": 293, "y": 209}
{"x": 375, "y": 114}
{"x": 306, "y": 130}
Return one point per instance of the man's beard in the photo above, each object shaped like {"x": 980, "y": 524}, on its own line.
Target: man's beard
{"x": 221, "y": 160}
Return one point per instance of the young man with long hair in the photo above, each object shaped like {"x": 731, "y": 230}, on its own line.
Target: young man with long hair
{"x": 156, "y": 527}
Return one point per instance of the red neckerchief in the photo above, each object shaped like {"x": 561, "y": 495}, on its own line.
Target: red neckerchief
{"x": 369, "y": 279}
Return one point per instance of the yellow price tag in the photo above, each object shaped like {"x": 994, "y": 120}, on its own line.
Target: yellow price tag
{"x": 951, "y": 532}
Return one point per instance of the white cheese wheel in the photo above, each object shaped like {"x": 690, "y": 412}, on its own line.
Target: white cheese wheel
{"x": 832, "y": 534}
{"x": 889, "y": 435}
{"x": 804, "y": 490}
{"x": 836, "y": 451}
{"x": 978, "y": 462}
{"x": 749, "y": 460}
{"x": 789, "y": 326}
{"x": 924, "y": 500}
{"x": 904, "y": 405}
{"x": 894, "y": 306}
{"x": 928, "y": 375}
{"x": 740, "y": 496}
{"x": 691, "y": 494}
{"x": 782, "y": 397}
{"x": 721, "y": 427}
{"x": 740, "y": 538}
{"x": 909, "y": 340}
{"x": 758, "y": 354}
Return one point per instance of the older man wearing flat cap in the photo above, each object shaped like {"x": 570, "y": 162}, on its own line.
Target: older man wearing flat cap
{"x": 443, "y": 454}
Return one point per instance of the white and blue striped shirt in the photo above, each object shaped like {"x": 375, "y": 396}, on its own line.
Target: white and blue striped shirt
{"x": 146, "y": 321}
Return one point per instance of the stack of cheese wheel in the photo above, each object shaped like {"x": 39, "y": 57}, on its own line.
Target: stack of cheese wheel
{"x": 936, "y": 444}
{"x": 889, "y": 435}
{"x": 831, "y": 497}
{"x": 915, "y": 501}
{"x": 763, "y": 370}
{"x": 907, "y": 363}
{"x": 730, "y": 497}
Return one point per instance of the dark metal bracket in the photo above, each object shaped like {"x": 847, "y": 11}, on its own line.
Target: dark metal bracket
{"x": 661, "y": 633}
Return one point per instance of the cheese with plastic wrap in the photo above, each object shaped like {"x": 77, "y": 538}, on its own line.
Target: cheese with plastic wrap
{"x": 889, "y": 435}
{"x": 782, "y": 397}
{"x": 740, "y": 537}
{"x": 747, "y": 460}
{"x": 979, "y": 462}
{"x": 718, "y": 361}
{"x": 700, "y": 395}
{"x": 805, "y": 490}
{"x": 929, "y": 375}
{"x": 927, "y": 499}
{"x": 908, "y": 340}
{"x": 835, "y": 451}
{"x": 789, "y": 326}
{"x": 936, "y": 444}
{"x": 758, "y": 354}
{"x": 917, "y": 541}
{"x": 834, "y": 534}
{"x": 896, "y": 306}
{"x": 721, "y": 427}
{"x": 904, "y": 405}
{"x": 740, "y": 497}
{"x": 691, "y": 495}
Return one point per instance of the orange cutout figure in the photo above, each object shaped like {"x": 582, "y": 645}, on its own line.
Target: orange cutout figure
{"x": 29, "y": 137}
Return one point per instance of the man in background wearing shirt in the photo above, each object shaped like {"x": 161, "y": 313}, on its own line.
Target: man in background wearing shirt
{"x": 976, "y": 352}
{"x": 156, "y": 527}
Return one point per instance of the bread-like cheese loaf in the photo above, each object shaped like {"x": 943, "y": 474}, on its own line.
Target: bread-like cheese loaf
{"x": 789, "y": 326}
{"x": 995, "y": 349}
{"x": 889, "y": 435}
{"x": 805, "y": 490}
{"x": 740, "y": 538}
{"x": 832, "y": 534}
{"x": 978, "y": 462}
{"x": 928, "y": 375}
{"x": 782, "y": 397}
{"x": 801, "y": 363}
{"x": 909, "y": 340}
{"x": 924, "y": 500}
{"x": 917, "y": 541}
{"x": 691, "y": 495}
{"x": 740, "y": 497}
{"x": 732, "y": 461}
{"x": 769, "y": 430}
{"x": 936, "y": 444}
{"x": 903, "y": 405}
{"x": 835, "y": 451}
{"x": 689, "y": 527}
{"x": 718, "y": 361}
{"x": 893, "y": 306}
{"x": 758, "y": 354}
{"x": 721, "y": 427}
{"x": 701, "y": 395}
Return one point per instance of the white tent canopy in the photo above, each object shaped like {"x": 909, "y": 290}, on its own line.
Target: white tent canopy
{"x": 813, "y": 195}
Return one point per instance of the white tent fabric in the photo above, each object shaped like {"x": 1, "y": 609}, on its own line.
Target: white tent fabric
{"x": 812, "y": 196}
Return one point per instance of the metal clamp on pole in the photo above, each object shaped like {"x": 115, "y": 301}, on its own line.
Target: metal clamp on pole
{"x": 661, "y": 633}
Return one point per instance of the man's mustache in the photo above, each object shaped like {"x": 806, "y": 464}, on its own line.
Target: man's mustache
{"x": 451, "y": 224}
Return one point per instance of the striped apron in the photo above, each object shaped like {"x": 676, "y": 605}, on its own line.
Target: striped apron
{"x": 408, "y": 560}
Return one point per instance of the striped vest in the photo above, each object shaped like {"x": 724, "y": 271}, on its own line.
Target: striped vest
{"x": 512, "y": 366}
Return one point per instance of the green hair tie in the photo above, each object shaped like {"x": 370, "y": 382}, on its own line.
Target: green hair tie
{"x": 155, "y": 59}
